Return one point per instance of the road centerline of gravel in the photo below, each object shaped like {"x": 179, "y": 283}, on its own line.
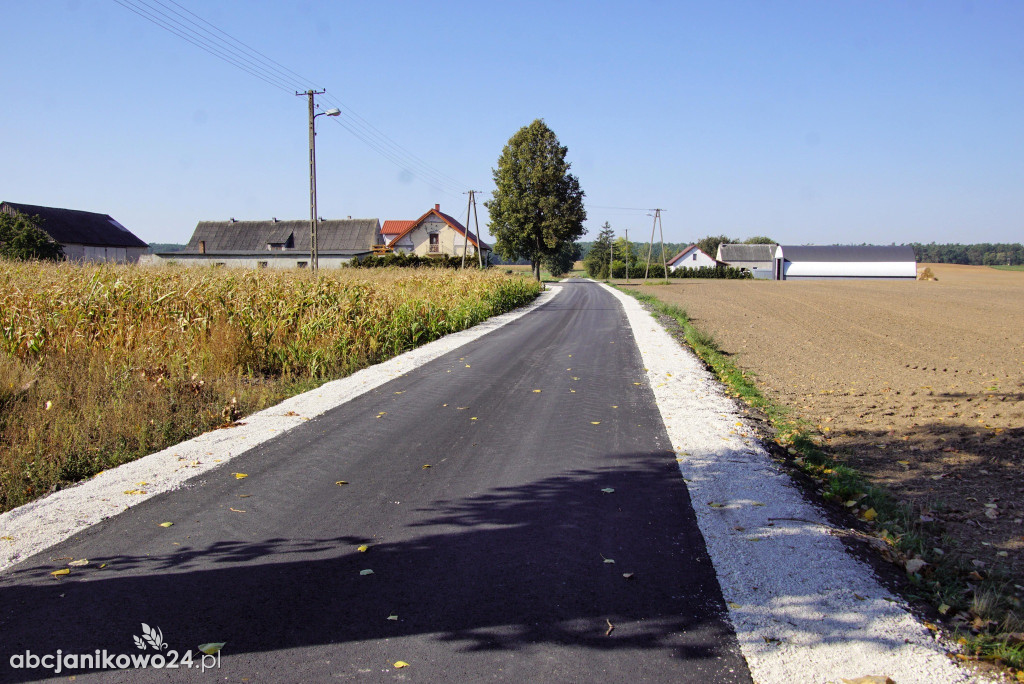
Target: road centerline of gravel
{"x": 523, "y": 515}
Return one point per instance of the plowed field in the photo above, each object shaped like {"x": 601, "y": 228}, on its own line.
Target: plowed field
{"x": 919, "y": 385}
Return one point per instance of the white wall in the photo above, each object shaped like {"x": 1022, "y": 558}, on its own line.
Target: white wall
{"x": 211, "y": 261}
{"x": 688, "y": 260}
{"x": 119, "y": 255}
{"x": 850, "y": 269}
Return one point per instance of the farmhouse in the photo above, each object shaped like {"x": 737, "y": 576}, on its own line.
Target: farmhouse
{"x": 691, "y": 257}
{"x": 84, "y": 235}
{"x": 433, "y": 234}
{"x": 277, "y": 244}
{"x": 844, "y": 261}
{"x": 758, "y": 259}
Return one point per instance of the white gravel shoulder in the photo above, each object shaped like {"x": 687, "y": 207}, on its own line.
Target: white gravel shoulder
{"x": 31, "y": 528}
{"x": 804, "y": 610}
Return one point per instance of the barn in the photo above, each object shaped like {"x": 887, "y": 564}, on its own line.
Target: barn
{"x": 84, "y": 235}
{"x": 793, "y": 262}
{"x": 277, "y": 244}
{"x": 758, "y": 259}
{"x": 691, "y": 257}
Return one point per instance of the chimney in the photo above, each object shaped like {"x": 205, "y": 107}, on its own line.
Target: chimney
{"x": 437, "y": 207}
{"x": 233, "y": 219}
{"x": 350, "y": 217}
{"x": 202, "y": 246}
{"x": 274, "y": 219}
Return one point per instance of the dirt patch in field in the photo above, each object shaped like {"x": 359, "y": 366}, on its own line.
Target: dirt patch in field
{"x": 918, "y": 385}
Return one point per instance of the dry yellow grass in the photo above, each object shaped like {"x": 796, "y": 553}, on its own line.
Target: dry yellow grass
{"x": 102, "y": 364}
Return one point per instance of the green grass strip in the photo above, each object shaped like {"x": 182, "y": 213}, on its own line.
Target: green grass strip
{"x": 946, "y": 582}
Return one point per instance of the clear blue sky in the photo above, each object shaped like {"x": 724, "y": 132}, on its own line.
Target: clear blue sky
{"x": 810, "y": 122}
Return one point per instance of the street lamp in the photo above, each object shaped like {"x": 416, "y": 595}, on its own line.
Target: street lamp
{"x": 314, "y": 252}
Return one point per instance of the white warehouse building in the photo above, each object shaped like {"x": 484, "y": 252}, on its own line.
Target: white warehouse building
{"x": 792, "y": 262}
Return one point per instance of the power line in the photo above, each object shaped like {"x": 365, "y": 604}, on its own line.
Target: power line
{"x": 255, "y": 63}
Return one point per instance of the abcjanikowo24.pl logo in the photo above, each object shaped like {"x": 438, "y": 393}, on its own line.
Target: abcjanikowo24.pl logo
{"x": 161, "y": 657}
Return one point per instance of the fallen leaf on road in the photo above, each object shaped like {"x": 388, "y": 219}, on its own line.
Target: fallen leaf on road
{"x": 611, "y": 627}
{"x": 235, "y": 510}
{"x": 79, "y": 563}
{"x": 426, "y": 465}
{"x": 473, "y": 418}
{"x": 240, "y": 476}
{"x": 536, "y": 391}
{"x": 366, "y": 572}
{"x": 362, "y": 548}
{"x": 636, "y": 383}
{"x": 341, "y": 483}
{"x": 869, "y": 514}
{"x": 392, "y": 617}
{"x": 166, "y": 524}
{"x": 628, "y": 575}
{"x": 212, "y": 647}
{"x": 870, "y": 679}
{"x": 595, "y": 422}
{"x": 59, "y": 573}
{"x": 244, "y": 496}
{"x": 756, "y": 503}
{"x": 914, "y": 565}
{"x": 607, "y": 490}
{"x": 132, "y": 492}
{"x": 715, "y": 504}
{"x": 608, "y": 560}
{"x": 734, "y": 606}
{"x": 399, "y": 664}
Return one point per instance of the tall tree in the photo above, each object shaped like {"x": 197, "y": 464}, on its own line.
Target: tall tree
{"x": 22, "y": 239}
{"x": 759, "y": 240}
{"x": 537, "y": 206}
{"x": 562, "y": 261}
{"x": 596, "y": 261}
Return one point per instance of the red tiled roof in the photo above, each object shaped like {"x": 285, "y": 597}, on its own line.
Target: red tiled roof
{"x": 410, "y": 225}
{"x": 395, "y": 227}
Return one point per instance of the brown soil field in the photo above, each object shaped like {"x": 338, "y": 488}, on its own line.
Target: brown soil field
{"x": 919, "y": 385}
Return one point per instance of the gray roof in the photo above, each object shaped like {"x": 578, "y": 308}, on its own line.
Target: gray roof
{"x": 74, "y": 227}
{"x": 847, "y": 253}
{"x": 735, "y": 252}
{"x": 345, "y": 236}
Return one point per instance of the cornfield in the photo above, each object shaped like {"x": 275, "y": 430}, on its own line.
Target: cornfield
{"x": 100, "y": 365}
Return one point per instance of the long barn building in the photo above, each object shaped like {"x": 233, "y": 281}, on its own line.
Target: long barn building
{"x": 793, "y": 262}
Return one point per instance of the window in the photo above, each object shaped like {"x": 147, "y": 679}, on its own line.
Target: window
{"x": 435, "y": 243}
{"x": 302, "y": 264}
{"x": 694, "y": 256}
{"x": 261, "y": 264}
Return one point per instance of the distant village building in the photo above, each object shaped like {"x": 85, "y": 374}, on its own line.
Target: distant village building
{"x": 84, "y": 235}
{"x": 793, "y": 262}
{"x": 758, "y": 259}
{"x": 433, "y": 234}
{"x": 277, "y": 244}
{"x": 691, "y": 257}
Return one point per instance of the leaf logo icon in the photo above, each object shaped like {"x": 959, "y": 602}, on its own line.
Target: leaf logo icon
{"x": 139, "y": 643}
{"x": 153, "y": 636}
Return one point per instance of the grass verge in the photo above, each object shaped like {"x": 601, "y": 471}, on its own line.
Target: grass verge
{"x": 978, "y": 605}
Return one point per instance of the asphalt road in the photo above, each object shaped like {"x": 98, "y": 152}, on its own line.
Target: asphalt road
{"x": 496, "y": 559}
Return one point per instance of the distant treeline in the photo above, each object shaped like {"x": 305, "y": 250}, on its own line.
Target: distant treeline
{"x": 155, "y": 247}
{"x": 980, "y": 254}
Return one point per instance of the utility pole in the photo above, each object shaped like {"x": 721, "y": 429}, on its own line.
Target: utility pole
{"x": 629, "y": 253}
{"x": 471, "y": 205}
{"x": 611, "y": 248}
{"x": 650, "y": 246}
{"x": 314, "y": 251}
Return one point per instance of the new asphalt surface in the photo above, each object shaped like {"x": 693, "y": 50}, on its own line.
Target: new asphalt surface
{"x": 478, "y": 483}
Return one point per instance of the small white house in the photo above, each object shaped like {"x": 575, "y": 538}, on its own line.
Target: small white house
{"x": 793, "y": 262}
{"x": 691, "y": 257}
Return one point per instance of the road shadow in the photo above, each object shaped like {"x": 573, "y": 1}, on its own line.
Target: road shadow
{"x": 511, "y": 570}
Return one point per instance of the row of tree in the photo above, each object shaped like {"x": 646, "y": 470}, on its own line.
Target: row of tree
{"x": 980, "y": 254}
{"x": 22, "y": 239}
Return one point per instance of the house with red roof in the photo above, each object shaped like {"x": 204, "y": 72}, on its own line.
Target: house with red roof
{"x": 433, "y": 234}
{"x": 691, "y": 257}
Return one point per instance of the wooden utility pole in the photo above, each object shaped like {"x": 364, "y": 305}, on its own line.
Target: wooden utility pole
{"x": 650, "y": 246}
{"x": 611, "y": 248}
{"x": 629, "y": 253}
{"x": 471, "y": 205}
